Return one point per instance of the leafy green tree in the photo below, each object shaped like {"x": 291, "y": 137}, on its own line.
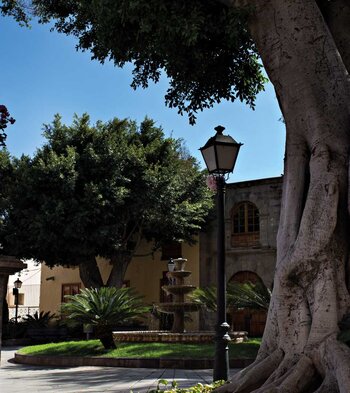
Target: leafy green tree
{"x": 204, "y": 48}
{"x": 6, "y": 172}
{"x": 103, "y": 308}
{"x": 5, "y": 118}
{"x": 18, "y": 9}
{"x": 99, "y": 191}
{"x": 5, "y": 180}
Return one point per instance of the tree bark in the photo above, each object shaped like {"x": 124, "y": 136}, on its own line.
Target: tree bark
{"x": 300, "y": 351}
{"x": 120, "y": 263}
{"x": 337, "y": 16}
{"x": 90, "y": 274}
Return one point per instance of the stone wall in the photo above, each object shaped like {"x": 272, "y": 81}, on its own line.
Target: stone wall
{"x": 260, "y": 259}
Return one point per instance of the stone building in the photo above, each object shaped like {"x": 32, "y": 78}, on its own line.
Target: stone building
{"x": 29, "y": 293}
{"x": 252, "y": 210}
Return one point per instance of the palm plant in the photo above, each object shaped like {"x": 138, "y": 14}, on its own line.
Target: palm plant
{"x": 205, "y": 297}
{"x": 248, "y": 295}
{"x": 103, "y": 308}
{"x": 41, "y": 320}
{"x": 238, "y": 295}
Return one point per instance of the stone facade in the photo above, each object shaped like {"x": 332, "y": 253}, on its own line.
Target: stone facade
{"x": 260, "y": 256}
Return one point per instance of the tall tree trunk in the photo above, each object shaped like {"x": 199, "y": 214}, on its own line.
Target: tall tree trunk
{"x": 120, "y": 263}
{"x": 300, "y": 351}
{"x": 90, "y": 274}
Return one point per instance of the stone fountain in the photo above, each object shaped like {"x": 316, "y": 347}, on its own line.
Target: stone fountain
{"x": 178, "y": 289}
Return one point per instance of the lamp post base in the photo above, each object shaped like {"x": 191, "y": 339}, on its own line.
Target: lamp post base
{"x": 221, "y": 360}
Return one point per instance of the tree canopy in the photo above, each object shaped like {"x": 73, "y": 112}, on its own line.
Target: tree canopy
{"x": 98, "y": 190}
{"x": 5, "y": 118}
{"x": 18, "y": 9}
{"x": 205, "y": 49}
{"x": 6, "y": 171}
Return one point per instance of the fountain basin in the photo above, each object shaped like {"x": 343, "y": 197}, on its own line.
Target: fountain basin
{"x": 179, "y": 263}
{"x": 178, "y": 289}
{"x": 176, "y": 307}
{"x": 179, "y": 273}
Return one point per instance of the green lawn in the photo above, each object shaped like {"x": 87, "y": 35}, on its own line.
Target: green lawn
{"x": 244, "y": 350}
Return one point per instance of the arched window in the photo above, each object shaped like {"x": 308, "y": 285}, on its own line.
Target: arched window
{"x": 246, "y": 276}
{"x": 245, "y": 225}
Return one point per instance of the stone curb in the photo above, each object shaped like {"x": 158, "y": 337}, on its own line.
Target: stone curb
{"x": 75, "y": 361}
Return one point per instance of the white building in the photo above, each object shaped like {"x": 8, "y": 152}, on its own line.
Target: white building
{"x": 29, "y": 293}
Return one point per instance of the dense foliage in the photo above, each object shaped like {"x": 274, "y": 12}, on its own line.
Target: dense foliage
{"x": 100, "y": 190}
{"x": 5, "y": 118}
{"x": 18, "y": 9}
{"x": 203, "y": 47}
{"x": 6, "y": 172}
{"x": 39, "y": 320}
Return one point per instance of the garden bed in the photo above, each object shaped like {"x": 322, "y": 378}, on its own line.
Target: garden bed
{"x": 147, "y": 355}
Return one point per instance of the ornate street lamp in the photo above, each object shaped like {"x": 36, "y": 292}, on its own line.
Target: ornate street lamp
{"x": 17, "y": 285}
{"x": 220, "y": 155}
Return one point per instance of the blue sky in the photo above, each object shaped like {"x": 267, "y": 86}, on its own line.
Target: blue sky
{"x": 42, "y": 74}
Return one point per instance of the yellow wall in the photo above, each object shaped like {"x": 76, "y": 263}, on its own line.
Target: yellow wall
{"x": 144, "y": 274}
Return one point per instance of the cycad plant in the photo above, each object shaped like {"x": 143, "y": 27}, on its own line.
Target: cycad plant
{"x": 238, "y": 295}
{"x": 103, "y": 308}
{"x": 37, "y": 320}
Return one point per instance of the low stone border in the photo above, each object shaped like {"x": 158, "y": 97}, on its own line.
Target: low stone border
{"x": 170, "y": 337}
{"x": 15, "y": 342}
{"x": 74, "y": 361}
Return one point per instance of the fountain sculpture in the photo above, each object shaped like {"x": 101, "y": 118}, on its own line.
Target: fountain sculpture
{"x": 178, "y": 288}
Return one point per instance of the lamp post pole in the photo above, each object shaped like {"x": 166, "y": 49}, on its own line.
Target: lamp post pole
{"x": 17, "y": 285}
{"x": 15, "y": 293}
{"x": 220, "y": 154}
{"x": 222, "y": 338}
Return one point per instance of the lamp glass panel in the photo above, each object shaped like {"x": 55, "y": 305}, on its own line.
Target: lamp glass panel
{"x": 226, "y": 156}
{"x": 17, "y": 284}
{"x": 209, "y": 158}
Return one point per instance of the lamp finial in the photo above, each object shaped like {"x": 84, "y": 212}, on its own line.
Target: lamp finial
{"x": 219, "y": 129}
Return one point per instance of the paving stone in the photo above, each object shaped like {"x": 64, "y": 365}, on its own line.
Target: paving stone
{"x": 21, "y": 378}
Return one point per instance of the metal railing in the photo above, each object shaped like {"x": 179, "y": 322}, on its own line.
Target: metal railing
{"x": 22, "y": 311}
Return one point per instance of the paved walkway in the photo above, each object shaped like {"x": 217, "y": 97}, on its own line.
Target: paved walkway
{"x": 21, "y": 378}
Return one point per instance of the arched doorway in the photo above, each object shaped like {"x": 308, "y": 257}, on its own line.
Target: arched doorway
{"x": 251, "y": 320}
